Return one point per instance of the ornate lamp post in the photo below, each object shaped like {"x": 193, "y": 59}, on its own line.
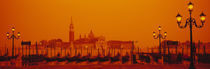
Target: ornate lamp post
{"x": 13, "y": 37}
{"x": 159, "y": 36}
{"x": 191, "y": 21}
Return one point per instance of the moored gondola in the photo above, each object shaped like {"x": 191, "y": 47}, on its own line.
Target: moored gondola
{"x": 60, "y": 58}
{"x": 125, "y": 58}
{"x": 144, "y": 58}
{"x": 92, "y": 59}
{"x": 4, "y": 58}
{"x": 33, "y": 58}
{"x": 71, "y": 59}
{"x": 115, "y": 58}
{"x": 50, "y": 59}
{"x": 103, "y": 58}
{"x": 8, "y": 58}
{"x": 82, "y": 58}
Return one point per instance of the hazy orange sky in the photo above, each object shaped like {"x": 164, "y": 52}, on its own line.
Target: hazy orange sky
{"x": 114, "y": 19}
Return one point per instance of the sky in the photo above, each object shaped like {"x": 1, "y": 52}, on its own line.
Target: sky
{"x": 115, "y": 19}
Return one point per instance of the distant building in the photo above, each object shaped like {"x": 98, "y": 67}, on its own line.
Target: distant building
{"x": 71, "y": 33}
{"x": 119, "y": 44}
{"x": 89, "y": 41}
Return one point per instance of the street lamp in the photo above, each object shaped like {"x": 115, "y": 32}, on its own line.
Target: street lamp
{"x": 13, "y": 37}
{"x": 190, "y": 6}
{"x": 159, "y": 36}
{"x": 191, "y": 21}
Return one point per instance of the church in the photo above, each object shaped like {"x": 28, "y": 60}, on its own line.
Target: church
{"x": 89, "y": 41}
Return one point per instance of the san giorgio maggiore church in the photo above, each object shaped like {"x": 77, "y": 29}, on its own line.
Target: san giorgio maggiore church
{"x": 87, "y": 41}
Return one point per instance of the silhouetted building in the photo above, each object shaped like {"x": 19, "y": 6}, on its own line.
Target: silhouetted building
{"x": 71, "y": 33}
{"x": 119, "y": 44}
{"x": 89, "y": 42}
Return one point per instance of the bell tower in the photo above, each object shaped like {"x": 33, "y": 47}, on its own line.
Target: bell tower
{"x": 71, "y": 32}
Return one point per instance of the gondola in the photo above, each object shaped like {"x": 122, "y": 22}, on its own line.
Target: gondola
{"x": 50, "y": 59}
{"x": 156, "y": 56}
{"x": 115, "y": 58}
{"x": 125, "y": 58}
{"x": 33, "y": 58}
{"x": 204, "y": 58}
{"x": 144, "y": 58}
{"x": 103, "y": 59}
{"x": 8, "y": 58}
{"x": 92, "y": 59}
{"x": 71, "y": 59}
{"x": 60, "y": 59}
{"x": 4, "y": 58}
{"x": 82, "y": 59}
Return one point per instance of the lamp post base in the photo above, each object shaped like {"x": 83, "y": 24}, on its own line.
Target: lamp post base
{"x": 192, "y": 66}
